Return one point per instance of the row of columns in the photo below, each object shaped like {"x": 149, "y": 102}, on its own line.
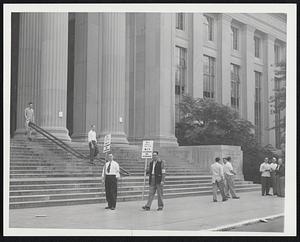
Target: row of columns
{"x": 99, "y": 75}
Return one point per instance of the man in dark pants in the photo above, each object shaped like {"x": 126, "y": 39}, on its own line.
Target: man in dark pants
{"x": 265, "y": 177}
{"x": 157, "y": 173}
{"x": 110, "y": 174}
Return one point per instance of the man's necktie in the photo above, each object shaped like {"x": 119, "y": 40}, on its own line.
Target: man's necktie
{"x": 108, "y": 168}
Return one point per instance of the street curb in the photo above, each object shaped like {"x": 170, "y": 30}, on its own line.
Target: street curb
{"x": 246, "y": 222}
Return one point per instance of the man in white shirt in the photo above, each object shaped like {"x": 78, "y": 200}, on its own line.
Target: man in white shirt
{"x": 29, "y": 117}
{"x": 229, "y": 173}
{"x": 217, "y": 179}
{"x": 273, "y": 166}
{"x": 92, "y": 144}
{"x": 265, "y": 177}
{"x": 110, "y": 174}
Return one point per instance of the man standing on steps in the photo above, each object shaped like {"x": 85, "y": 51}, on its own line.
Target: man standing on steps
{"x": 29, "y": 117}
{"x": 157, "y": 174}
{"x": 110, "y": 174}
{"x": 217, "y": 179}
{"x": 92, "y": 144}
{"x": 229, "y": 173}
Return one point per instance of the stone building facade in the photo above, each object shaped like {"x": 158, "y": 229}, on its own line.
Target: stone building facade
{"x": 125, "y": 72}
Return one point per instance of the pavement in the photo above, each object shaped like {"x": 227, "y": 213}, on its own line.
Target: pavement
{"x": 195, "y": 213}
{"x": 273, "y": 225}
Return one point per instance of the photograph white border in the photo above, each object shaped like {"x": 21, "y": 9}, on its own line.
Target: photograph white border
{"x": 291, "y": 192}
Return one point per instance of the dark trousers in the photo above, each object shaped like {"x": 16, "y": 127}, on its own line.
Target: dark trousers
{"x": 93, "y": 150}
{"x": 265, "y": 185}
{"x": 273, "y": 178}
{"x": 152, "y": 190}
{"x": 111, "y": 190}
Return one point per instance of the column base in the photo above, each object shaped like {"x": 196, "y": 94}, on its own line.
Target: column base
{"x": 79, "y": 137}
{"x": 117, "y": 139}
{"x": 60, "y": 133}
{"x": 163, "y": 141}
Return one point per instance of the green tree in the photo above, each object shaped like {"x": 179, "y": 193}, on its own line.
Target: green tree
{"x": 206, "y": 122}
{"x": 278, "y": 100}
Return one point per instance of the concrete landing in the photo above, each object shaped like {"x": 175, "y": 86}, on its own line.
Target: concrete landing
{"x": 181, "y": 214}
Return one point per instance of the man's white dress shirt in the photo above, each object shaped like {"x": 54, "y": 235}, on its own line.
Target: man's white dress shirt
{"x": 92, "y": 136}
{"x": 114, "y": 169}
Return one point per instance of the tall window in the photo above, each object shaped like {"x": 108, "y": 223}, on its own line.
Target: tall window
{"x": 277, "y": 114}
{"x": 235, "y": 38}
{"x": 257, "y": 47}
{"x": 277, "y": 53}
{"x": 209, "y": 77}
{"x": 180, "y": 78}
{"x": 180, "y": 21}
{"x": 209, "y": 25}
{"x": 257, "y": 107}
{"x": 235, "y": 87}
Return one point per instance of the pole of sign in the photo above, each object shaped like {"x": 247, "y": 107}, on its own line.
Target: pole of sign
{"x": 144, "y": 178}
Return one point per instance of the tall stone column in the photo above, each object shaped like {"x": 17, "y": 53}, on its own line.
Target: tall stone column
{"x": 198, "y": 55}
{"x": 268, "y": 91}
{"x": 86, "y": 75}
{"x": 28, "y": 67}
{"x": 248, "y": 89}
{"x": 113, "y": 78}
{"x": 224, "y": 43}
{"x": 159, "y": 79}
{"x": 53, "y": 82}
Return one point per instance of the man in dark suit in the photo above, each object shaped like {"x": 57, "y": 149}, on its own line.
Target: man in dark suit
{"x": 157, "y": 173}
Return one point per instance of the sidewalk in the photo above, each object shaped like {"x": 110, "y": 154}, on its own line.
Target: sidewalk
{"x": 185, "y": 214}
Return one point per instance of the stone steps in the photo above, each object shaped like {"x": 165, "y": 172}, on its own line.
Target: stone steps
{"x": 77, "y": 201}
{"x": 41, "y": 174}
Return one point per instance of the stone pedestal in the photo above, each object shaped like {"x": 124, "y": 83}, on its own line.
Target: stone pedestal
{"x": 28, "y": 68}
{"x": 53, "y": 80}
{"x": 113, "y": 78}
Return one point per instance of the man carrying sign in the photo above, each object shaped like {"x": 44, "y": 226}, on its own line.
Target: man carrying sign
{"x": 157, "y": 173}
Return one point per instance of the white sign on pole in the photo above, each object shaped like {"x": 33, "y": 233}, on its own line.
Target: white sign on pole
{"x": 146, "y": 153}
{"x": 106, "y": 144}
{"x": 147, "y": 149}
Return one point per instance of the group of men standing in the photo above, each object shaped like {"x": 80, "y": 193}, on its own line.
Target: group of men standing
{"x": 222, "y": 178}
{"x": 111, "y": 173}
{"x": 272, "y": 174}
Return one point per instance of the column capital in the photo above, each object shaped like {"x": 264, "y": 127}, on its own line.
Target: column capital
{"x": 270, "y": 37}
{"x": 226, "y": 17}
{"x": 249, "y": 28}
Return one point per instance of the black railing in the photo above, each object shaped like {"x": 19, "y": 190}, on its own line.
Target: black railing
{"x": 68, "y": 148}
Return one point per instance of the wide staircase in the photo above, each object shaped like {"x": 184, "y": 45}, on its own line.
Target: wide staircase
{"x": 44, "y": 174}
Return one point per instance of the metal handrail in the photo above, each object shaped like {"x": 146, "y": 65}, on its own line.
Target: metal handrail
{"x": 68, "y": 148}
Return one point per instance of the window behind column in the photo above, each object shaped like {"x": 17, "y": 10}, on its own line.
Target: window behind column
{"x": 235, "y": 87}
{"x": 257, "y": 44}
{"x": 208, "y": 77}
{"x": 180, "y": 77}
{"x": 180, "y": 21}
{"x": 257, "y": 107}
{"x": 235, "y": 38}
{"x": 209, "y": 27}
{"x": 277, "y": 54}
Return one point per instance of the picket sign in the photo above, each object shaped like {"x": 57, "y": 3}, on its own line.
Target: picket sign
{"x": 146, "y": 153}
{"x": 107, "y": 143}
